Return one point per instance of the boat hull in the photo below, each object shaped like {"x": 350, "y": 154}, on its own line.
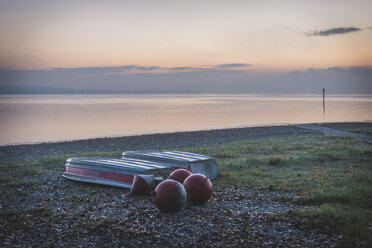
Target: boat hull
{"x": 196, "y": 163}
{"x": 112, "y": 172}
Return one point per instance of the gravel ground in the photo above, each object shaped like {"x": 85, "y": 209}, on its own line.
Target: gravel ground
{"x": 56, "y": 212}
{"x": 161, "y": 141}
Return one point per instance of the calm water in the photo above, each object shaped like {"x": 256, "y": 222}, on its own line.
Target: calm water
{"x": 37, "y": 118}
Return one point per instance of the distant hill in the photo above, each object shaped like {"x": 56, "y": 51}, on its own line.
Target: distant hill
{"x": 7, "y": 90}
{"x": 100, "y": 80}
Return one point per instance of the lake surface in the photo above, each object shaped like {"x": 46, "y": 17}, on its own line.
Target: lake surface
{"x": 39, "y": 118}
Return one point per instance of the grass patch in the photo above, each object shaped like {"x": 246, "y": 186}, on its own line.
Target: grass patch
{"x": 334, "y": 173}
{"x": 353, "y": 222}
{"x": 10, "y": 171}
{"x": 14, "y": 171}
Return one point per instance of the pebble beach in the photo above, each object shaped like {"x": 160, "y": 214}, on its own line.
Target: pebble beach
{"x": 163, "y": 140}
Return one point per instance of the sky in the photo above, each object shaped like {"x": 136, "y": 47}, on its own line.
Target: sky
{"x": 196, "y": 46}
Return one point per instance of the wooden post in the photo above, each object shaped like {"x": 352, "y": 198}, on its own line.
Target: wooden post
{"x": 323, "y": 104}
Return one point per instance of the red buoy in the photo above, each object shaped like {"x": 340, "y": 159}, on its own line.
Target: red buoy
{"x": 199, "y": 188}
{"x": 141, "y": 185}
{"x": 170, "y": 196}
{"x": 180, "y": 175}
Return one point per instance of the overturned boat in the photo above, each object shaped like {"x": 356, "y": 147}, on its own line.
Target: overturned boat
{"x": 112, "y": 171}
{"x": 196, "y": 163}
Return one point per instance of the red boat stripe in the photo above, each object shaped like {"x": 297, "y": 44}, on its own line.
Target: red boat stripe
{"x": 100, "y": 174}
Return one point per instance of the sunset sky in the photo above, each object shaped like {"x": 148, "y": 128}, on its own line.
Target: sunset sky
{"x": 177, "y": 37}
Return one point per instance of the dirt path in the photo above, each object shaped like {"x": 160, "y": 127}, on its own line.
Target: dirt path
{"x": 331, "y": 131}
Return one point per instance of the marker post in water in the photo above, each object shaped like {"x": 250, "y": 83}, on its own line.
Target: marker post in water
{"x": 323, "y": 104}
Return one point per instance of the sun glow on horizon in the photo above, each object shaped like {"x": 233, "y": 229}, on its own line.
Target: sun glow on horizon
{"x": 46, "y": 35}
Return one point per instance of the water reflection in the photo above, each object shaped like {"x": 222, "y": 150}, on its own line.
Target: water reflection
{"x": 36, "y": 118}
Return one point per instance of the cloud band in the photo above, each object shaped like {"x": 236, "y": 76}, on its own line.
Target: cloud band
{"x": 333, "y": 31}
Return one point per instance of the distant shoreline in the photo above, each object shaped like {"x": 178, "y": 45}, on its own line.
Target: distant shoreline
{"x": 164, "y": 140}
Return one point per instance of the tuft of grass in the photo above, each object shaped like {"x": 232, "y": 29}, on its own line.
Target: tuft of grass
{"x": 102, "y": 224}
{"x": 5, "y": 178}
{"x": 273, "y": 161}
